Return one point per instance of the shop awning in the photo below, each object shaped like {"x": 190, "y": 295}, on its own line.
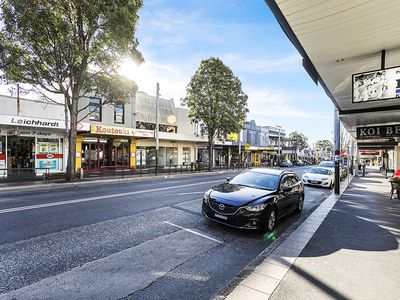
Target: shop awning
{"x": 340, "y": 38}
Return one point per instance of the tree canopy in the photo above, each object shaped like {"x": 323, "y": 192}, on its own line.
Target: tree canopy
{"x": 69, "y": 47}
{"x": 299, "y": 141}
{"x": 216, "y": 100}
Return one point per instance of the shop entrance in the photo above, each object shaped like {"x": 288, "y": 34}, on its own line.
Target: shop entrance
{"x": 20, "y": 152}
{"x": 105, "y": 152}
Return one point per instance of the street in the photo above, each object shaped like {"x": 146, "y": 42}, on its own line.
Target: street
{"x": 134, "y": 240}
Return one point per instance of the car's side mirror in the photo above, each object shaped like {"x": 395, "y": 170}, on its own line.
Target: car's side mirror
{"x": 228, "y": 179}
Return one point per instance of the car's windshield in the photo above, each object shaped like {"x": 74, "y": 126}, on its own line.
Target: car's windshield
{"x": 256, "y": 180}
{"x": 326, "y": 165}
{"x": 319, "y": 171}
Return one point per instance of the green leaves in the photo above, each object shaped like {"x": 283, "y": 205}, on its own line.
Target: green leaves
{"x": 215, "y": 99}
{"x": 299, "y": 140}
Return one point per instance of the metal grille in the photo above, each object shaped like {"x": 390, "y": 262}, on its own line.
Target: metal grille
{"x": 228, "y": 209}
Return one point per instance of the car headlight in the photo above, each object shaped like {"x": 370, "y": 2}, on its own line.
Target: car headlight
{"x": 206, "y": 197}
{"x": 305, "y": 176}
{"x": 324, "y": 178}
{"x": 256, "y": 208}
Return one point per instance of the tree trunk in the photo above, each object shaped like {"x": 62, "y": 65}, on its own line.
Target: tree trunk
{"x": 71, "y": 174}
{"x": 210, "y": 155}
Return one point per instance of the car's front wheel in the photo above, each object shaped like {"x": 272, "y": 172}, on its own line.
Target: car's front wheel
{"x": 300, "y": 204}
{"x": 270, "y": 219}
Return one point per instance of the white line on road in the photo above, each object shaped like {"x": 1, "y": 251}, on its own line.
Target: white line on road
{"x": 186, "y": 202}
{"x": 181, "y": 194}
{"x": 194, "y": 232}
{"x": 51, "y": 204}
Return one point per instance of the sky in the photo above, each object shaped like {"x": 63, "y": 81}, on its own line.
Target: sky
{"x": 174, "y": 36}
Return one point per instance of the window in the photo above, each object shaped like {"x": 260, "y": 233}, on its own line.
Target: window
{"x": 95, "y": 109}
{"x": 186, "y": 155}
{"x": 119, "y": 114}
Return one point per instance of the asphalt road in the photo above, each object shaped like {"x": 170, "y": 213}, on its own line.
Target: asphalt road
{"x": 133, "y": 240}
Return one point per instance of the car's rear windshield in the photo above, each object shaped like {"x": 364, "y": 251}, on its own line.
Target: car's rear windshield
{"x": 326, "y": 165}
{"x": 319, "y": 171}
{"x": 257, "y": 180}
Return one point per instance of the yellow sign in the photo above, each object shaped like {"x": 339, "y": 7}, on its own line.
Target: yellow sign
{"x": 247, "y": 147}
{"x": 271, "y": 148}
{"x": 111, "y": 130}
{"x": 233, "y": 137}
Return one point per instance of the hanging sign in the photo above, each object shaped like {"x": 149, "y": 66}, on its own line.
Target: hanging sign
{"x": 382, "y": 84}
{"x": 373, "y": 132}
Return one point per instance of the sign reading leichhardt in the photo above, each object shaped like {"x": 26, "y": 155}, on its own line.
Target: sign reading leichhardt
{"x": 31, "y": 122}
{"x": 372, "y": 132}
{"x": 111, "y": 130}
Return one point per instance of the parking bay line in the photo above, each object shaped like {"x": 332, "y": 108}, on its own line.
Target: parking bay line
{"x": 194, "y": 232}
{"x": 51, "y": 204}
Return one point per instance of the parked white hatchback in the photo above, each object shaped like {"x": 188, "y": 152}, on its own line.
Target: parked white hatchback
{"x": 320, "y": 177}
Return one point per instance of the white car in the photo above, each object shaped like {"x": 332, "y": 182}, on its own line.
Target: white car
{"x": 331, "y": 165}
{"x": 320, "y": 177}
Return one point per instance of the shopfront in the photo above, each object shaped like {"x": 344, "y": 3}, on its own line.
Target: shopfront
{"x": 32, "y": 144}
{"x": 106, "y": 146}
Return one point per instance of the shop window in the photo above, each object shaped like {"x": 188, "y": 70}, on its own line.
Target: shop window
{"x": 48, "y": 154}
{"x": 172, "y": 155}
{"x": 95, "y": 109}
{"x": 119, "y": 114}
{"x": 152, "y": 126}
{"x": 186, "y": 155}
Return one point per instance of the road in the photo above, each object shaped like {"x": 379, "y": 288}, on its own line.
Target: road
{"x": 134, "y": 240}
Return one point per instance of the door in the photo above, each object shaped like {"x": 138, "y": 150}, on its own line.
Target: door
{"x": 286, "y": 193}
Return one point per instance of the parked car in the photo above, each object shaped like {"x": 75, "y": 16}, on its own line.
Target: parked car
{"x": 319, "y": 177}
{"x": 299, "y": 163}
{"x": 285, "y": 163}
{"x": 254, "y": 199}
{"x": 331, "y": 165}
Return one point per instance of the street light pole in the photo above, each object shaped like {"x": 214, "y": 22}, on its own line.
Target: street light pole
{"x": 157, "y": 124}
{"x": 337, "y": 151}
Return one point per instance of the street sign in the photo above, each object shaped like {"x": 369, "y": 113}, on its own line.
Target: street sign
{"x": 247, "y": 147}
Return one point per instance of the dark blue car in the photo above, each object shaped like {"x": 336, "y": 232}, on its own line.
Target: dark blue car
{"x": 254, "y": 199}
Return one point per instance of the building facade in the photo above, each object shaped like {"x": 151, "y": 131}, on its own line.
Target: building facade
{"x": 32, "y": 136}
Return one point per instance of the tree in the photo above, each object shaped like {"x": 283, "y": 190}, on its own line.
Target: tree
{"x": 71, "y": 48}
{"x": 299, "y": 141}
{"x": 216, "y": 101}
{"x": 325, "y": 146}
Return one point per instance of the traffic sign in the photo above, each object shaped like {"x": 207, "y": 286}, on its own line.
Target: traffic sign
{"x": 247, "y": 147}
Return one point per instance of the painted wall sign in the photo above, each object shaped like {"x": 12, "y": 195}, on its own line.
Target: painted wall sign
{"x": 373, "y": 132}
{"x": 31, "y": 122}
{"x": 111, "y": 130}
{"x": 376, "y": 85}
{"x": 143, "y": 133}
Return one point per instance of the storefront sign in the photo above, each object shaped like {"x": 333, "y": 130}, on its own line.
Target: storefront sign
{"x": 110, "y": 130}
{"x": 376, "y": 85}
{"x": 37, "y": 133}
{"x": 31, "y": 122}
{"x": 143, "y": 133}
{"x": 83, "y": 126}
{"x": 373, "y": 132}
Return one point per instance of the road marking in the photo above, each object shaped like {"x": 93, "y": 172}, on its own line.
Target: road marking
{"x": 186, "y": 202}
{"x": 51, "y": 204}
{"x": 181, "y": 194}
{"x": 194, "y": 232}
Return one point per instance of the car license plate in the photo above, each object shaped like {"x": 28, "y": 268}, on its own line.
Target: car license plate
{"x": 314, "y": 181}
{"x": 221, "y": 217}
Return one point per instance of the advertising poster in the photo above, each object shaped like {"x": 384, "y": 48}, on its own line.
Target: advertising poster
{"x": 43, "y": 147}
{"x": 53, "y": 148}
{"x": 376, "y": 85}
{"x": 48, "y": 163}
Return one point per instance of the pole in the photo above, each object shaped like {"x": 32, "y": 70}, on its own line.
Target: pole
{"x": 337, "y": 151}
{"x": 240, "y": 146}
{"x": 279, "y": 145}
{"x": 157, "y": 124}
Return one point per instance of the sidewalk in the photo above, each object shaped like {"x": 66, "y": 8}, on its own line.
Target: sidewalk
{"x": 347, "y": 249}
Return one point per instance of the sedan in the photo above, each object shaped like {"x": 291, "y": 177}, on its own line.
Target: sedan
{"x": 254, "y": 199}
{"x": 285, "y": 163}
{"x": 320, "y": 177}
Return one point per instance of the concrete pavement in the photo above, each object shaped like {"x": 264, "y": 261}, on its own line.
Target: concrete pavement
{"x": 350, "y": 253}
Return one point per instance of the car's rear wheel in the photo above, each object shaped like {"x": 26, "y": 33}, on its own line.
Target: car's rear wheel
{"x": 300, "y": 204}
{"x": 270, "y": 219}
